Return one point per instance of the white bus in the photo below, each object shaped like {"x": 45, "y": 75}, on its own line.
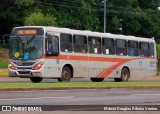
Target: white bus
{"x": 39, "y": 52}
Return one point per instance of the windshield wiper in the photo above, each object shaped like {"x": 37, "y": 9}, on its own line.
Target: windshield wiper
{"x": 29, "y": 41}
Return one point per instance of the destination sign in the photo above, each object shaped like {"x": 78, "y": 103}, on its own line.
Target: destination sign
{"x": 27, "y": 31}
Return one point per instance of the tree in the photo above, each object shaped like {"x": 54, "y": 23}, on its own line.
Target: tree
{"x": 135, "y": 17}
{"x": 77, "y": 14}
{"x": 39, "y": 19}
{"x": 10, "y": 16}
{"x": 23, "y": 3}
{"x": 139, "y": 17}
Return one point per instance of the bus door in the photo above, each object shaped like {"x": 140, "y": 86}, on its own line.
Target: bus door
{"x": 94, "y": 48}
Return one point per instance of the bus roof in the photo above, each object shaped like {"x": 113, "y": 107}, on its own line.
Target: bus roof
{"x": 50, "y": 29}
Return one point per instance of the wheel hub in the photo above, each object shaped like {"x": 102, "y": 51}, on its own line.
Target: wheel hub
{"x": 65, "y": 74}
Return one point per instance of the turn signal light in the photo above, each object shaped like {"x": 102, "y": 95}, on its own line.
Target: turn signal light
{"x": 37, "y": 66}
{"x": 11, "y": 66}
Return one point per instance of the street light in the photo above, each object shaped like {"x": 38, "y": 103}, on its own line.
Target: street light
{"x": 104, "y": 15}
{"x": 158, "y": 8}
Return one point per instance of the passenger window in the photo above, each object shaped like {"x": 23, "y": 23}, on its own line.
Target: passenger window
{"x": 94, "y": 45}
{"x": 152, "y": 50}
{"x": 121, "y": 47}
{"x": 80, "y": 43}
{"x": 133, "y": 48}
{"x": 144, "y": 49}
{"x": 108, "y": 46}
{"x": 66, "y": 42}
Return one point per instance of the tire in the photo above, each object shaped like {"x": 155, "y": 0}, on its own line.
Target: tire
{"x": 97, "y": 79}
{"x": 66, "y": 75}
{"x": 125, "y": 75}
{"x": 36, "y": 79}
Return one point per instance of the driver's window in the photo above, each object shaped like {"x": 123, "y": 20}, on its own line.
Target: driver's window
{"x": 52, "y": 44}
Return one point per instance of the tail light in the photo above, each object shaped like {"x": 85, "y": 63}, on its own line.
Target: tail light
{"x": 157, "y": 62}
{"x": 11, "y": 66}
{"x": 37, "y": 66}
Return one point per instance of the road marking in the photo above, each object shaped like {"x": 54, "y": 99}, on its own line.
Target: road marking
{"x": 38, "y": 90}
{"x": 37, "y": 98}
{"x": 55, "y": 90}
{"x": 21, "y": 91}
{"x": 145, "y": 94}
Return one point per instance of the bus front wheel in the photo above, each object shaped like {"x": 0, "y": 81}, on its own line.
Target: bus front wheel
{"x": 36, "y": 79}
{"x": 66, "y": 75}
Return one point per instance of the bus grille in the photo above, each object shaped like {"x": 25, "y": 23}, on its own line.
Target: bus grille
{"x": 24, "y": 72}
{"x": 24, "y": 63}
{"x": 22, "y": 68}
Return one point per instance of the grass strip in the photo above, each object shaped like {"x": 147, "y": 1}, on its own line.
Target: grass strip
{"x": 79, "y": 84}
{"x": 3, "y": 72}
{"x": 3, "y": 63}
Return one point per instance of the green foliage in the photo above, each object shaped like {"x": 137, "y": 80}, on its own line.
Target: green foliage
{"x": 77, "y": 85}
{"x": 3, "y": 58}
{"x": 115, "y": 24}
{"x": 140, "y": 17}
{"x": 158, "y": 57}
{"x": 122, "y": 3}
{"x": 158, "y": 50}
{"x": 3, "y": 63}
{"x": 23, "y": 3}
{"x": 39, "y": 19}
{"x": 132, "y": 24}
{"x": 135, "y": 17}
{"x": 149, "y": 4}
{"x": 79, "y": 16}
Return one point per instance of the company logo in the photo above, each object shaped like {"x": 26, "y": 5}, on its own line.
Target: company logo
{"x": 6, "y": 108}
{"x": 19, "y": 63}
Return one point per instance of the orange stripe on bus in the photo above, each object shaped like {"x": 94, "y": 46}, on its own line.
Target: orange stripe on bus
{"x": 109, "y": 70}
{"x": 89, "y": 58}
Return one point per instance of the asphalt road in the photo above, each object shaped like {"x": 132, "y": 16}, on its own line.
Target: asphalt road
{"x": 87, "y": 97}
{"x": 98, "y": 97}
{"x": 82, "y": 97}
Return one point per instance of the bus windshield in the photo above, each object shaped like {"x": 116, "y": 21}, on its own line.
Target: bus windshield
{"x": 26, "y": 47}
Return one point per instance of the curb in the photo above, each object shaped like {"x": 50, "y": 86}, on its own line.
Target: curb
{"x": 4, "y": 75}
{"x": 67, "y": 88}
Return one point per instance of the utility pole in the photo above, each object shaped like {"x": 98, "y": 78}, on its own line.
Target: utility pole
{"x": 104, "y": 16}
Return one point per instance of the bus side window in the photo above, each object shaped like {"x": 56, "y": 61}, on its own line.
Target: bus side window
{"x": 80, "y": 43}
{"x": 152, "y": 53}
{"x": 144, "y": 49}
{"x": 121, "y": 47}
{"x": 108, "y": 46}
{"x": 66, "y": 42}
{"x": 133, "y": 48}
{"x": 94, "y": 45}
